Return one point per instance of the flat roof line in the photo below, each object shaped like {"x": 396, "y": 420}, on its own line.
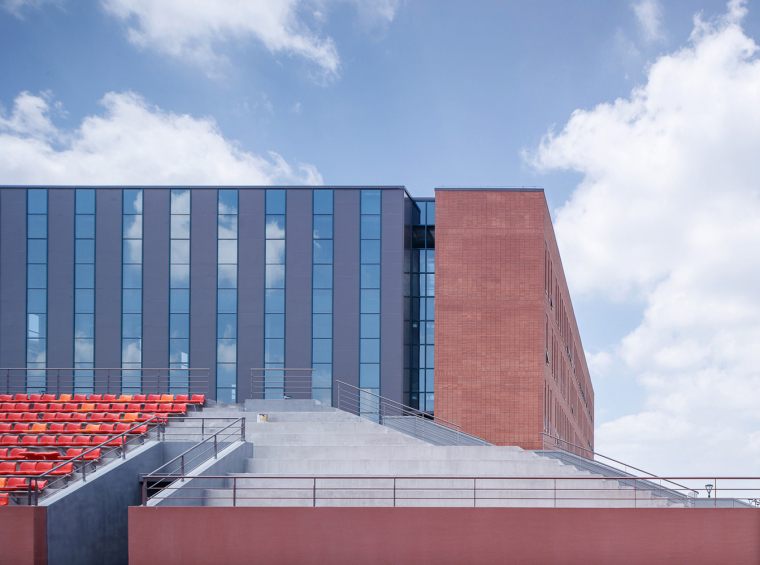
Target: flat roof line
{"x": 493, "y": 188}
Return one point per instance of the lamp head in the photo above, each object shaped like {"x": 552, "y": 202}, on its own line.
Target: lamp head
{"x": 709, "y": 488}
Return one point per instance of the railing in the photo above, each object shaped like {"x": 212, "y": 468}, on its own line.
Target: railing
{"x": 586, "y": 459}
{"x": 104, "y": 381}
{"x": 400, "y": 417}
{"x": 277, "y": 383}
{"x": 476, "y": 492}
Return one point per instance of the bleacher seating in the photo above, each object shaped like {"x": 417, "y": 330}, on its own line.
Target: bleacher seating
{"x": 42, "y": 432}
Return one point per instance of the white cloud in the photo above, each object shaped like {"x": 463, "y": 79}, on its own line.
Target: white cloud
{"x": 649, "y": 17}
{"x": 668, "y": 211}
{"x": 17, "y": 7}
{"x": 132, "y": 142}
{"x": 196, "y": 29}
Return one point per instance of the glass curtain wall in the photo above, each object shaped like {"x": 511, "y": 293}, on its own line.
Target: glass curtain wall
{"x": 179, "y": 292}
{"x": 322, "y": 296}
{"x": 369, "y": 323}
{"x": 84, "y": 290}
{"x": 226, "y": 302}
{"x": 423, "y": 308}
{"x": 274, "y": 300}
{"x": 131, "y": 283}
{"x": 36, "y": 288}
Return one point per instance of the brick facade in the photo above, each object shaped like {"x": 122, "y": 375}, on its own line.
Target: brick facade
{"x": 502, "y": 308}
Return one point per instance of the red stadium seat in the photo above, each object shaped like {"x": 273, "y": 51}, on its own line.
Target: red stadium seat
{"x": 97, "y": 417}
{"x": 78, "y": 417}
{"x": 70, "y": 407}
{"x": 27, "y": 468}
{"x": 154, "y": 398}
{"x": 4, "y": 453}
{"x": 163, "y": 408}
{"x": 133, "y": 407}
{"x": 73, "y": 429}
{"x": 139, "y": 398}
{"x": 17, "y": 453}
{"x": 118, "y": 407}
{"x": 4, "y": 497}
{"x": 39, "y": 407}
{"x": 82, "y": 440}
{"x": 7, "y": 468}
{"x": 182, "y": 398}
{"x": 66, "y": 469}
{"x": 47, "y": 441}
{"x": 35, "y": 397}
{"x": 15, "y": 484}
{"x": 48, "y": 398}
{"x": 57, "y": 428}
{"x": 5, "y": 427}
{"x": 6, "y": 398}
{"x": 21, "y": 407}
{"x": 198, "y": 399}
{"x": 62, "y": 417}
{"x": 103, "y": 408}
{"x": 79, "y": 398}
{"x": 8, "y": 406}
{"x": 152, "y": 407}
{"x": 14, "y": 417}
{"x": 30, "y": 440}
{"x": 29, "y": 417}
{"x": 179, "y": 408}
{"x": 95, "y": 398}
{"x": 109, "y": 398}
{"x": 20, "y": 428}
{"x": 3, "y": 415}
{"x": 99, "y": 440}
{"x": 49, "y": 416}
{"x": 9, "y": 440}
{"x": 21, "y": 397}
{"x": 73, "y": 452}
{"x": 63, "y": 441}
{"x": 115, "y": 442}
{"x": 113, "y": 418}
{"x": 107, "y": 428}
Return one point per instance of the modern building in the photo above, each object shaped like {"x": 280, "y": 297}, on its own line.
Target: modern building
{"x": 338, "y": 282}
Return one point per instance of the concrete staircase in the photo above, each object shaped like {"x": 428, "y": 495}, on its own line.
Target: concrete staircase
{"x": 309, "y": 452}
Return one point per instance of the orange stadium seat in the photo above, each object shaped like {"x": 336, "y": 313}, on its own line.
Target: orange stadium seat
{"x": 125, "y": 398}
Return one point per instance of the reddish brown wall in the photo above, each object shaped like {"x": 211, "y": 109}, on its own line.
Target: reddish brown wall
{"x": 23, "y": 535}
{"x": 442, "y": 536}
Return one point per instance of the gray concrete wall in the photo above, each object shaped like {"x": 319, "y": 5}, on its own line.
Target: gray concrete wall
{"x": 298, "y": 263}
{"x": 203, "y": 238}
{"x": 108, "y": 277}
{"x": 12, "y": 277}
{"x": 60, "y": 320}
{"x": 156, "y": 245}
{"x": 251, "y": 252}
{"x": 392, "y": 295}
{"x": 346, "y": 271}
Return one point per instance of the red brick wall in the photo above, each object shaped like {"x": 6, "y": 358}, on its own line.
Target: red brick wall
{"x": 492, "y": 309}
{"x": 23, "y": 535}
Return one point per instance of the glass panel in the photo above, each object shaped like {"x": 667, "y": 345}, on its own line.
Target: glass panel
{"x": 431, "y": 261}
{"x": 370, "y": 251}
{"x": 85, "y": 226}
{"x": 322, "y": 350}
{"x": 275, "y": 276}
{"x": 36, "y": 325}
{"x": 430, "y": 332}
{"x": 36, "y": 201}
{"x": 274, "y": 301}
{"x": 418, "y": 236}
{"x": 430, "y": 285}
{"x": 322, "y": 301}
{"x": 36, "y": 251}
{"x": 323, "y": 202}
{"x": 132, "y": 227}
{"x": 227, "y": 276}
{"x": 84, "y": 325}
{"x": 416, "y": 338}
{"x": 370, "y": 201}
{"x": 180, "y": 276}
{"x": 431, "y": 308}
{"x": 370, "y": 227}
{"x": 370, "y": 276}
{"x": 226, "y": 350}
{"x": 180, "y": 202}
{"x": 370, "y": 325}
{"x": 226, "y": 326}
{"x": 225, "y": 376}
{"x": 228, "y": 201}
{"x": 429, "y": 402}
{"x": 369, "y": 376}
{"x": 417, "y": 258}
{"x": 430, "y": 357}
{"x": 275, "y": 201}
{"x": 131, "y": 325}
{"x": 322, "y": 376}
{"x": 179, "y": 301}
{"x": 418, "y": 309}
{"x": 35, "y": 351}
{"x": 322, "y": 277}
{"x": 133, "y": 199}
{"x": 323, "y": 251}
{"x": 131, "y": 351}
{"x": 180, "y": 227}
{"x": 36, "y": 301}
{"x": 179, "y": 325}
{"x": 322, "y": 326}
{"x": 369, "y": 351}
{"x": 430, "y": 214}
{"x": 132, "y": 251}
{"x": 370, "y": 301}
{"x": 179, "y": 351}
{"x": 275, "y": 252}
{"x": 85, "y": 200}
{"x": 84, "y": 301}
{"x": 423, "y": 213}
{"x": 274, "y": 350}
{"x": 36, "y": 226}
{"x": 131, "y": 275}
{"x": 85, "y": 251}
{"x": 227, "y": 301}
{"x": 275, "y": 227}
{"x": 430, "y": 380}
{"x": 323, "y": 227}
{"x": 227, "y": 251}
{"x": 180, "y": 251}
{"x": 274, "y": 325}
{"x": 36, "y": 276}
{"x": 323, "y": 395}
{"x": 431, "y": 237}
{"x": 84, "y": 275}
{"x": 228, "y": 227}
{"x": 84, "y": 351}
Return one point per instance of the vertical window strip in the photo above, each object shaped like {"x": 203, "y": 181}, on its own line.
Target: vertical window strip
{"x": 369, "y": 311}
{"x": 274, "y": 294}
{"x": 322, "y": 295}
{"x": 179, "y": 292}
{"x": 84, "y": 290}
{"x": 36, "y": 288}
{"x": 131, "y": 289}
{"x": 423, "y": 309}
{"x": 227, "y": 296}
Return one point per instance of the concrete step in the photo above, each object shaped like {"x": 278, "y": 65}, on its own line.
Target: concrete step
{"x": 291, "y": 405}
{"x": 319, "y": 439}
{"x": 429, "y": 452}
{"x": 323, "y": 416}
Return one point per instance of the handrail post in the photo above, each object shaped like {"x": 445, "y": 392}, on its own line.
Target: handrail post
{"x": 84, "y": 468}
{"x": 314, "y": 492}
{"x": 555, "y": 492}
{"x": 203, "y": 428}
{"x": 474, "y": 500}
{"x": 182, "y": 467}
{"x": 234, "y": 491}
{"x": 216, "y": 452}
{"x": 394, "y": 492}
{"x": 144, "y": 490}
{"x": 242, "y": 429}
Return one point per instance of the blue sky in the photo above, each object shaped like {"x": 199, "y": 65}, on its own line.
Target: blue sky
{"x": 430, "y": 93}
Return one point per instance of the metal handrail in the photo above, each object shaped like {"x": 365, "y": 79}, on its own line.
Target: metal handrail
{"x": 299, "y": 385}
{"x": 214, "y": 436}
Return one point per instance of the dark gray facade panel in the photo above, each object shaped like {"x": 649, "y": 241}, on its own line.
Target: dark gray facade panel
{"x": 60, "y": 320}
{"x": 13, "y": 277}
{"x": 392, "y": 295}
{"x": 346, "y": 271}
{"x": 156, "y": 245}
{"x": 298, "y": 263}
{"x": 251, "y": 256}
{"x": 203, "y": 238}
{"x": 108, "y": 278}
